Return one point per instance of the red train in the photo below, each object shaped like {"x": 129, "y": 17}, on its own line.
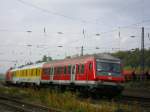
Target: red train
{"x": 98, "y": 73}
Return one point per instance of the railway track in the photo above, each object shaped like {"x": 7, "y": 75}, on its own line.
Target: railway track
{"x": 128, "y": 99}
{"x": 21, "y": 106}
{"x": 140, "y": 102}
{"x": 144, "y": 102}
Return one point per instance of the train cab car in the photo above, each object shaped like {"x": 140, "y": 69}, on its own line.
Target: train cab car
{"x": 90, "y": 71}
{"x": 109, "y": 69}
{"x": 109, "y": 74}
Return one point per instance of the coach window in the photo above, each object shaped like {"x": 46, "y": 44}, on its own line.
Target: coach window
{"x": 65, "y": 70}
{"x": 90, "y": 66}
{"x": 22, "y": 72}
{"x": 25, "y": 72}
{"x": 31, "y": 72}
{"x": 47, "y": 71}
{"x": 55, "y": 70}
{"x": 82, "y": 68}
{"x": 36, "y": 72}
{"x": 44, "y": 71}
{"x": 58, "y": 70}
{"x": 50, "y": 70}
{"x": 17, "y": 73}
{"x": 77, "y": 69}
{"x": 62, "y": 70}
{"x": 69, "y": 69}
{"x": 28, "y": 72}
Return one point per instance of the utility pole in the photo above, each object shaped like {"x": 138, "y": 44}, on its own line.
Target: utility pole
{"x": 82, "y": 51}
{"x": 119, "y": 38}
{"x": 82, "y": 45}
{"x": 142, "y": 53}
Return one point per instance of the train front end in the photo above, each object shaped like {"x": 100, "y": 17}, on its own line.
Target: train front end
{"x": 108, "y": 74}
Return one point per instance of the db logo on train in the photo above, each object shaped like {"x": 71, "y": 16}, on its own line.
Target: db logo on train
{"x": 110, "y": 78}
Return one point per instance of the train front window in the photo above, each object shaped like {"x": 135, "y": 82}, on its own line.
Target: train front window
{"x": 105, "y": 68}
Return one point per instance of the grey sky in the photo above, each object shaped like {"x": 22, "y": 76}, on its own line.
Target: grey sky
{"x": 69, "y": 17}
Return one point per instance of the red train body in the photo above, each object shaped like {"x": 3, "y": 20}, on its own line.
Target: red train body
{"x": 91, "y": 71}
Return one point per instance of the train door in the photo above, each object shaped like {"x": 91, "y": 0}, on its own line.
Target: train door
{"x": 51, "y": 73}
{"x": 73, "y": 73}
{"x": 89, "y": 70}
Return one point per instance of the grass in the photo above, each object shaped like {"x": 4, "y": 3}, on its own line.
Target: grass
{"x": 66, "y": 101}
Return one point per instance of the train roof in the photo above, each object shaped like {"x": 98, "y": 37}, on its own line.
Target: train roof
{"x": 78, "y": 59}
{"x": 82, "y": 59}
{"x": 106, "y": 56}
{"x": 103, "y": 56}
{"x": 38, "y": 65}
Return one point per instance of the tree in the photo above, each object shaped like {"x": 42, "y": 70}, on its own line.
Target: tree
{"x": 132, "y": 58}
{"x": 46, "y": 58}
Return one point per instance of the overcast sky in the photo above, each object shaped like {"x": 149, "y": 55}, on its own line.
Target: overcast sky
{"x": 30, "y": 29}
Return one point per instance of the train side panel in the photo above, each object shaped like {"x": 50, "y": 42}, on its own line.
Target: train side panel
{"x": 27, "y": 75}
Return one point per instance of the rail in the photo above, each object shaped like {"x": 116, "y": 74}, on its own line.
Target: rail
{"x": 24, "y": 106}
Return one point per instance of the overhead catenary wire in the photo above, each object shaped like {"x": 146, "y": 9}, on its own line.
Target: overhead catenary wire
{"x": 55, "y": 13}
{"x": 7, "y": 60}
{"x": 59, "y": 14}
{"x": 73, "y": 18}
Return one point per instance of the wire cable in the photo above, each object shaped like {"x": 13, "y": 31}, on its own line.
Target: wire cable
{"x": 54, "y": 13}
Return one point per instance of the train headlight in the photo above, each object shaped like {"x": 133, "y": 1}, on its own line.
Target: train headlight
{"x": 109, "y": 74}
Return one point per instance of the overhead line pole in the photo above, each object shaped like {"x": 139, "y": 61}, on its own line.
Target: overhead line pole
{"x": 142, "y": 52}
{"x": 82, "y": 45}
{"x": 82, "y": 51}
